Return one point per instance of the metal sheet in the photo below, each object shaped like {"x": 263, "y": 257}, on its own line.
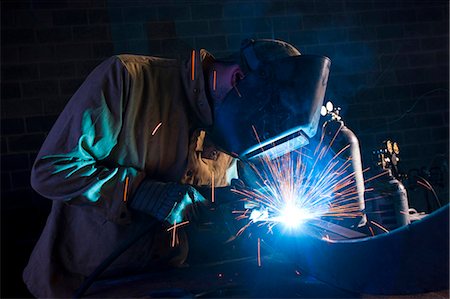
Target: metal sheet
{"x": 411, "y": 259}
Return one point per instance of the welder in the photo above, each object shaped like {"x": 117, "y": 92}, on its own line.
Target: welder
{"x": 142, "y": 133}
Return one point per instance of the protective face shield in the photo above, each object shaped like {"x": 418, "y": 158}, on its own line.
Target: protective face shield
{"x": 274, "y": 109}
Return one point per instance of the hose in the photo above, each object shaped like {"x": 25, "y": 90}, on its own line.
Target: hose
{"x": 112, "y": 257}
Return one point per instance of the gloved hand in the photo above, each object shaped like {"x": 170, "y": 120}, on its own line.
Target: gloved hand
{"x": 166, "y": 201}
{"x": 187, "y": 207}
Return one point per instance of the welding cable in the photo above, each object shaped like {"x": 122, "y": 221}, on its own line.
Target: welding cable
{"x": 408, "y": 111}
{"x": 112, "y": 257}
{"x": 427, "y": 185}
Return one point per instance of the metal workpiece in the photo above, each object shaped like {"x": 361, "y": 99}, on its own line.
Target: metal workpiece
{"x": 409, "y": 260}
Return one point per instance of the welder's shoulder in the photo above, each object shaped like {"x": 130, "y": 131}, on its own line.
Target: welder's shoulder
{"x": 135, "y": 63}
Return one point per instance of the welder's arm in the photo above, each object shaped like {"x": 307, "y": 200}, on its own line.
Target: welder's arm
{"x": 73, "y": 165}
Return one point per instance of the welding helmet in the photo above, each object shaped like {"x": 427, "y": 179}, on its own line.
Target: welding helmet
{"x": 275, "y": 108}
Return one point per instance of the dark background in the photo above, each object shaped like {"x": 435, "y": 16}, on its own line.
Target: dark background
{"x": 389, "y": 74}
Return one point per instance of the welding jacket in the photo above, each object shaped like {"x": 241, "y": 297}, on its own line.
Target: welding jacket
{"x": 134, "y": 118}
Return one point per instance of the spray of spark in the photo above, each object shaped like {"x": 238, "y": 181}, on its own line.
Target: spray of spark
{"x": 301, "y": 186}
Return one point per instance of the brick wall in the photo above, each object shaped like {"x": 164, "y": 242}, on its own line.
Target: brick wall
{"x": 389, "y": 72}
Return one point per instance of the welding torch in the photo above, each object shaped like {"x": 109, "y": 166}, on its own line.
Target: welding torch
{"x": 216, "y": 211}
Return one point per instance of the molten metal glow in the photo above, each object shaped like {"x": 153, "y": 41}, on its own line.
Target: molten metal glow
{"x": 292, "y": 217}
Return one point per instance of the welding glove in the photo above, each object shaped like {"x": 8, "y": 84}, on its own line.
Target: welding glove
{"x": 170, "y": 202}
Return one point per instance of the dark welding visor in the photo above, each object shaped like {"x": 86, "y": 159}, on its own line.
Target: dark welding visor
{"x": 274, "y": 109}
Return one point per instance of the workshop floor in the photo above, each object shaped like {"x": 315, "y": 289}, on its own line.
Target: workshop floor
{"x": 239, "y": 278}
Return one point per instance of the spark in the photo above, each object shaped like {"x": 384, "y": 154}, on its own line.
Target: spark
{"x": 214, "y": 79}
{"x": 193, "y": 65}
{"x": 156, "y": 129}
{"x": 212, "y": 186}
{"x": 237, "y": 90}
{"x": 379, "y": 225}
{"x": 259, "y": 252}
{"x": 125, "y": 190}
{"x": 377, "y": 176}
{"x": 174, "y": 233}
{"x": 243, "y": 228}
{"x": 300, "y": 186}
{"x": 175, "y": 226}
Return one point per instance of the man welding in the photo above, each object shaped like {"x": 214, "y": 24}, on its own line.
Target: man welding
{"x": 140, "y": 137}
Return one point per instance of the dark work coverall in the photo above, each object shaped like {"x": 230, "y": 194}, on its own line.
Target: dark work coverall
{"x": 134, "y": 118}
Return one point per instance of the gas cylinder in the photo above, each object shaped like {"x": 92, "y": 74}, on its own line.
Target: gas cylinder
{"x": 341, "y": 139}
{"x": 390, "y": 209}
{"x": 399, "y": 198}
